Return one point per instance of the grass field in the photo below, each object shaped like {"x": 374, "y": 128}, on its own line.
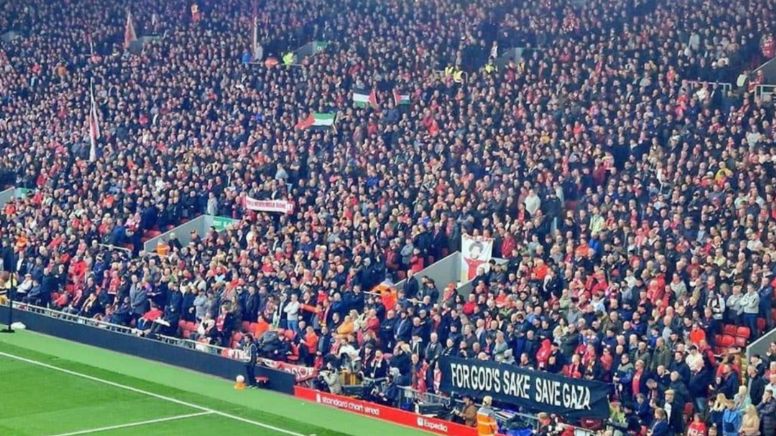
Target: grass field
{"x": 49, "y": 386}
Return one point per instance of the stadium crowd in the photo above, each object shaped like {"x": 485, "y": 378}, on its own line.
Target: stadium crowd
{"x": 635, "y": 209}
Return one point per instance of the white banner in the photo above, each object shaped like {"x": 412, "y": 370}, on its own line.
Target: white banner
{"x": 279, "y": 206}
{"x": 475, "y": 254}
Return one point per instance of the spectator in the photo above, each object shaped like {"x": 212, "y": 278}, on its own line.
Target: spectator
{"x": 750, "y": 423}
{"x": 767, "y": 411}
{"x": 731, "y": 419}
{"x": 636, "y": 200}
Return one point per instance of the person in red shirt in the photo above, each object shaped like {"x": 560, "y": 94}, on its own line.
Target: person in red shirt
{"x": 638, "y": 383}
{"x": 697, "y": 427}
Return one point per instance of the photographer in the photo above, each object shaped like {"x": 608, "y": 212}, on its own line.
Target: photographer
{"x": 330, "y": 379}
{"x": 468, "y": 413}
{"x": 390, "y": 394}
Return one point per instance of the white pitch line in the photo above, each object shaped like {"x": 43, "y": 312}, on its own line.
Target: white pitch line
{"x": 135, "y": 424}
{"x": 151, "y": 394}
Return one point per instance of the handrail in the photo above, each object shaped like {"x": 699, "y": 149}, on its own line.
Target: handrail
{"x": 765, "y": 90}
{"x": 116, "y": 247}
{"x": 726, "y": 86}
{"x": 761, "y": 345}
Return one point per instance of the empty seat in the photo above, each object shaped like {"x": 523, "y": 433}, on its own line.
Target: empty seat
{"x": 729, "y": 329}
{"x": 743, "y": 332}
{"x": 727, "y": 341}
{"x": 740, "y": 342}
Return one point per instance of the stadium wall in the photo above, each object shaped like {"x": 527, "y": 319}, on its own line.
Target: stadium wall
{"x": 142, "y": 347}
{"x": 390, "y": 414}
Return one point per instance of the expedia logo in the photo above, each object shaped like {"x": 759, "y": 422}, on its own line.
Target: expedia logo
{"x": 431, "y": 425}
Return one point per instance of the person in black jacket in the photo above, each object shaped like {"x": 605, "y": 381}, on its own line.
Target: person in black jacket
{"x": 728, "y": 384}
{"x": 411, "y": 285}
{"x": 699, "y": 388}
{"x": 403, "y": 330}
{"x": 660, "y": 426}
{"x": 387, "y": 331}
{"x": 675, "y": 412}
{"x": 252, "y": 304}
{"x": 252, "y": 352}
{"x": 756, "y": 385}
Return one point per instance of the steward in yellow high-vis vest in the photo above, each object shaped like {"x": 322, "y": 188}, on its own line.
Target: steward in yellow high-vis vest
{"x": 486, "y": 418}
{"x": 289, "y": 58}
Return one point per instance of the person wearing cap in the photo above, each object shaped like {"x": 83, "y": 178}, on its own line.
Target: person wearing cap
{"x": 468, "y": 412}
{"x": 486, "y": 418}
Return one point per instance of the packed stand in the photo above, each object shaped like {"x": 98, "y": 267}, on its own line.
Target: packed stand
{"x": 636, "y": 215}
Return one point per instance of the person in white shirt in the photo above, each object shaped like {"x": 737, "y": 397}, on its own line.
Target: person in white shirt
{"x": 292, "y": 313}
{"x": 532, "y": 202}
{"x": 750, "y": 307}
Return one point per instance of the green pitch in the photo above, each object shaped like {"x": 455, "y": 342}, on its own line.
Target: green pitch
{"x": 49, "y": 386}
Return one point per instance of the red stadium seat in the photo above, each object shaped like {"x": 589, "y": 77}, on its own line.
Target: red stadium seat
{"x": 740, "y": 342}
{"x": 246, "y": 325}
{"x": 743, "y": 332}
{"x": 294, "y": 356}
{"x": 237, "y": 337}
{"x": 729, "y": 329}
{"x": 182, "y": 324}
{"x": 761, "y": 324}
{"x": 727, "y": 341}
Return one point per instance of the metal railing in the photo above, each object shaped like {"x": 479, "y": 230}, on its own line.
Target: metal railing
{"x": 116, "y": 328}
{"x": 408, "y": 394}
{"x": 765, "y": 92}
{"x": 725, "y": 86}
{"x": 761, "y": 345}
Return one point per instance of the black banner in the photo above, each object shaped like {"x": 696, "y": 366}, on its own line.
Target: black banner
{"x": 535, "y": 391}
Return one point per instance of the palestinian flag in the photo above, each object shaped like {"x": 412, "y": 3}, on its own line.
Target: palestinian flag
{"x": 400, "y": 98}
{"x": 317, "y": 120}
{"x": 362, "y": 99}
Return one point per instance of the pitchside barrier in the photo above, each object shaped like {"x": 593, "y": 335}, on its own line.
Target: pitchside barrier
{"x": 422, "y": 401}
{"x": 203, "y": 358}
{"x": 390, "y": 414}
